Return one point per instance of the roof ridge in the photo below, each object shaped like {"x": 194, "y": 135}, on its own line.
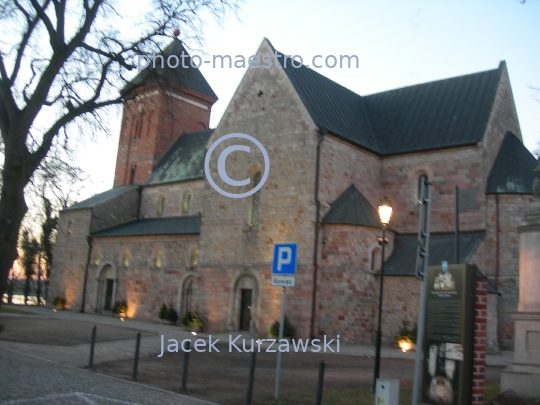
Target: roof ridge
{"x": 434, "y": 81}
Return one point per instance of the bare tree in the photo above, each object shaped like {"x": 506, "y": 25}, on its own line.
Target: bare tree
{"x": 61, "y": 65}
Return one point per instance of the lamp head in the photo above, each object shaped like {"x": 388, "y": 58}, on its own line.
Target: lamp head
{"x": 385, "y": 211}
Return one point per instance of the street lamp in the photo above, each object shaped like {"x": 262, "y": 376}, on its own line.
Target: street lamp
{"x": 385, "y": 212}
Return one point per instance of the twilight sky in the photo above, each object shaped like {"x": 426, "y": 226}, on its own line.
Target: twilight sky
{"x": 398, "y": 43}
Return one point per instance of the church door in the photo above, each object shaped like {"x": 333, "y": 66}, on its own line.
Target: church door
{"x": 245, "y": 309}
{"x": 109, "y": 294}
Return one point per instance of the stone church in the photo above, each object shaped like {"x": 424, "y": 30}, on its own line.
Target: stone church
{"x": 163, "y": 234}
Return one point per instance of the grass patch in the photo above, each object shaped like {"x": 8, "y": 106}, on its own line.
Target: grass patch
{"x": 349, "y": 396}
{"x": 11, "y": 310}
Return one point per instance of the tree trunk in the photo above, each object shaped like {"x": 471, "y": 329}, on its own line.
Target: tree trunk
{"x": 12, "y": 210}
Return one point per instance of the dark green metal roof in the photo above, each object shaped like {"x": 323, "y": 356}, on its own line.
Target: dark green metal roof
{"x": 441, "y": 248}
{"x": 158, "y": 226}
{"x": 512, "y": 172}
{"x": 352, "y": 208}
{"x": 441, "y": 114}
{"x": 101, "y": 198}
{"x": 189, "y": 77}
{"x": 183, "y": 161}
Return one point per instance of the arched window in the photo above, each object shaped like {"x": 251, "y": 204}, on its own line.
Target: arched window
{"x": 419, "y": 187}
{"x": 132, "y": 174}
{"x": 137, "y": 129}
{"x": 125, "y": 258}
{"x": 186, "y": 201}
{"x": 194, "y": 258}
{"x": 159, "y": 256}
{"x": 161, "y": 205}
{"x": 255, "y": 201}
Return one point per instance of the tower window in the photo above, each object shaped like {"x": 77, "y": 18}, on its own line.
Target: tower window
{"x": 255, "y": 202}
{"x": 132, "y": 174}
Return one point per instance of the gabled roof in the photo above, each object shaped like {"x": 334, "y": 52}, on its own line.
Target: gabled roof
{"x": 352, "y": 208}
{"x": 101, "y": 198}
{"x": 440, "y": 114}
{"x": 512, "y": 172}
{"x": 441, "y": 248}
{"x": 189, "y": 76}
{"x": 158, "y": 226}
{"x": 333, "y": 106}
{"x": 183, "y": 161}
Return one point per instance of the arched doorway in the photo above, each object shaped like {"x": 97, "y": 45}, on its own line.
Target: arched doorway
{"x": 107, "y": 284}
{"x": 243, "y": 315}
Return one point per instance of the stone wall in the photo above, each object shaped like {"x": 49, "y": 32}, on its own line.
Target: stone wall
{"x": 343, "y": 164}
{"x": 445, "y": 169}
{"x": 70, "y": 256}
{"x": 266, "y": 107}
{"x": 143, "y": 281}
{"x": 174, "y": 198}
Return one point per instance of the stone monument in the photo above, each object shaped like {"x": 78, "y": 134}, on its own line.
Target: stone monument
{"x": 523, "y": 374}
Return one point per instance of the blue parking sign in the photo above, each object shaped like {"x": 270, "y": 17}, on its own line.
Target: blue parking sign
{"x": 284, "y": 259}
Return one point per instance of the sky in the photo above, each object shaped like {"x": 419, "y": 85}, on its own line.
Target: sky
{"x": 398, "y": 44}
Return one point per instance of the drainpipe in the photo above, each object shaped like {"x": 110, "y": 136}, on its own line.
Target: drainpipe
{"x": 322, "y": 133}
{"x": 497, "y": 242}
{"x": 89, "y": 239}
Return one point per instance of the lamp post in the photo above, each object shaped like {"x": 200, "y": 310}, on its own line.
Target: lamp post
{"x": 385, "y": 212}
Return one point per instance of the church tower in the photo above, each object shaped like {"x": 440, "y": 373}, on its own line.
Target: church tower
{"x": 161, "y": 103}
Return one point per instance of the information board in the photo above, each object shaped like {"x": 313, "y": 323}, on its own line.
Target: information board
{"x": 449, "y": 335}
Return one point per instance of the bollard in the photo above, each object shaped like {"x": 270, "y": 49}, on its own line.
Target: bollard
{"x": 251, "y": 376}
{"x": 92, "y": 342}
{"x": 320, "y": 384}
{"x": 186, "y": 361}
{"x": 136, "y": 362}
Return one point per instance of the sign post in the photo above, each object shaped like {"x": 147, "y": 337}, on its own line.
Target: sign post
{"x": 283, "y": 275}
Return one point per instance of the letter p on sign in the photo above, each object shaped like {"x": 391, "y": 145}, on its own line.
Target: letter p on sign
{"x": 284, "y": 259}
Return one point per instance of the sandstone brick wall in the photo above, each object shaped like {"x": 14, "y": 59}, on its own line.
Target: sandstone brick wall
{"x": 143, "y": 284}
{"x": 445, "y": 169}
{"x": 174, "y": 198}
{"x": 343, "y": 164}
{"x": 70, "y": 256}
{"x": 266, "y": 107}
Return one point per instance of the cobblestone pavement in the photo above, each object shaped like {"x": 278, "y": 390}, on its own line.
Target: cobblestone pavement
{"x": 26, "y": 379}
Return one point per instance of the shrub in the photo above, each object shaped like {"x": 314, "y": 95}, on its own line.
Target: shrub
{"x": 171, "y": 315}
{"x": 162, "y": 313}
{"x": 120, "y": 307}
{"x": 194, "y": 319}
{"x": 59, "y": 301}
{"x": 288, "y": 329}
{"x": 167, "y": 313}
